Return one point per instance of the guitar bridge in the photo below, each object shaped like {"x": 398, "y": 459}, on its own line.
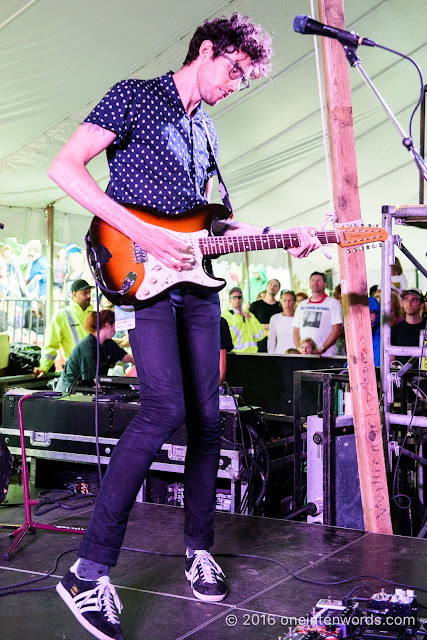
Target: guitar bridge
{"x": 139, "y": 253}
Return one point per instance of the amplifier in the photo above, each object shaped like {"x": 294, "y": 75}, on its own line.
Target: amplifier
{"x": 337, "y": 481}
{"x": 73, "y": 414}
{"x": 63, "y": 428}
{"x": 68, "y": 418}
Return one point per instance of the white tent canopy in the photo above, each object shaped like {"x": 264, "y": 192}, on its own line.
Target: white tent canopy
{"x": 58, "y": 59}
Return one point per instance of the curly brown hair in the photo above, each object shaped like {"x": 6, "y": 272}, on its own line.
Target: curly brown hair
{"x": 236, "y": 33}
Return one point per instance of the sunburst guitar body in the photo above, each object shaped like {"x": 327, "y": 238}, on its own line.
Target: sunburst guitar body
{"x": 130, "y": 276}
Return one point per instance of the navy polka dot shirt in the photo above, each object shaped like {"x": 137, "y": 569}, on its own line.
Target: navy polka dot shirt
{"x": 160, "y": 157}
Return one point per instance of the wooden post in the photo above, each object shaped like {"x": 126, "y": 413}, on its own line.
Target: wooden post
{"x": 367, "y": 424}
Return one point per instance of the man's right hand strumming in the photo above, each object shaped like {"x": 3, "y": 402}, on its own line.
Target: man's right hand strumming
{"x": 165, "y": 246}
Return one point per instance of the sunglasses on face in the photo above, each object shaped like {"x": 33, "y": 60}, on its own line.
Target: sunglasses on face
{"x": 236, "y": 297}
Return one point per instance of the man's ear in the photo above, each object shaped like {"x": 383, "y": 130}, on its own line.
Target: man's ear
{"x": 206, "y": 49}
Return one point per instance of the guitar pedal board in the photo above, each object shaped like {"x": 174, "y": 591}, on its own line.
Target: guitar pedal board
{"x": 383, "y": 616}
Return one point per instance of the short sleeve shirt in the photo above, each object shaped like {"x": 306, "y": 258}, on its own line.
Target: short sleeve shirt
{"x": 316, "y": 319}
{"x": 160, "y": 157}
{"x": 81, "y": 365}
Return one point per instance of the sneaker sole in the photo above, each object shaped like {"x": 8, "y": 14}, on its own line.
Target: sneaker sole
{"x": 63, "y": 593}
{"x": 203, "y": 596}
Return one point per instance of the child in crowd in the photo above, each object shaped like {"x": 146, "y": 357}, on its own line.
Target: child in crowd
{"x": 307, "y": 347}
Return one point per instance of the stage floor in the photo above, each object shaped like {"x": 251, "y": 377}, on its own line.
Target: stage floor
{"x": 157, "y": 599}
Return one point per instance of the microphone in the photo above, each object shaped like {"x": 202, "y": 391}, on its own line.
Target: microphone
{"x": 306, "y": 25}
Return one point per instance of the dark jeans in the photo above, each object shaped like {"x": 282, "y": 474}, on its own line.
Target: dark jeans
{"x": 176, "y": 346}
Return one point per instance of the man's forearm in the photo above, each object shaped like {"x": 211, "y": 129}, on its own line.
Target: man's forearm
{"x": 332, "y": 338}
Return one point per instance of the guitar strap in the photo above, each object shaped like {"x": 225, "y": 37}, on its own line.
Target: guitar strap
{"x": 223, "y": 191}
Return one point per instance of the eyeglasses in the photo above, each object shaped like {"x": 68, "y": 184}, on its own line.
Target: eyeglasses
{"x": 236, "y": 297}
{"x": 236, "y": 72}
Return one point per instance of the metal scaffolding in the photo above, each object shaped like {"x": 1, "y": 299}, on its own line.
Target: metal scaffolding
{"x": 413, "y": 215}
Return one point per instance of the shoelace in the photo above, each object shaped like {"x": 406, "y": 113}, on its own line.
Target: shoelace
{"x": 208, "y": 567}
{"x": 107, "y": 599}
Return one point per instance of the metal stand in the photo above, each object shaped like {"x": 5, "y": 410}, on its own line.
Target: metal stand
{"x": 29, "y": 525}
{"x": 417, "y": 216}
{"x": 329, "y": 380}
{"x": 408, "y": 143}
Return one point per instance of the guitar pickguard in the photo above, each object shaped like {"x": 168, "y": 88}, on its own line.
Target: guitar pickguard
{"x": 158, "y": 278}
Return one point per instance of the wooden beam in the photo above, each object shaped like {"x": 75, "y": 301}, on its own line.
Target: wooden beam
{"x": 357, "y": 325}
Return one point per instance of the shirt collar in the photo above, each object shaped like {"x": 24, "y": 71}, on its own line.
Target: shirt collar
{"x": 318, "y": 301}
{"x": 170, "y": 91}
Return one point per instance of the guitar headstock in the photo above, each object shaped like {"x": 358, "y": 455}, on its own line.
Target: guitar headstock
{"x": 354, "y": 236}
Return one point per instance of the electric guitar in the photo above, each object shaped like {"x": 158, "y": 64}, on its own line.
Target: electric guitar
{"x": 129, "y": 276}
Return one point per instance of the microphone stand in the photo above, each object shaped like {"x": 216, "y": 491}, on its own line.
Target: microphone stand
{"x": 354, "y": 60}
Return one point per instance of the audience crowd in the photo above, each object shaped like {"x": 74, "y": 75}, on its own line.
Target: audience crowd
{"x": 23, "y": 285}
{"x": 306, "y": 323}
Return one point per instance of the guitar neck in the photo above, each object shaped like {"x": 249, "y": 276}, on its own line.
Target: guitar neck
{"x": 219, "y": 245}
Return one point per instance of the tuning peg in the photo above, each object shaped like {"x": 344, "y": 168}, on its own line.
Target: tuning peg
{"x": 374, "y": 246}
{"x": 380, "y": 244}
{"x": 361, "y": 248}
{"x": 367, "y": 246}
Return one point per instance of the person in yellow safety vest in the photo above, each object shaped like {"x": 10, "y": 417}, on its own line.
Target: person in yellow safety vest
{"x": 66, "y": 329}
{"x": 246, "y": 331}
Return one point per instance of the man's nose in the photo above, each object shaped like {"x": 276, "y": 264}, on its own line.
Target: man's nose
{"x": 234, "y": 84}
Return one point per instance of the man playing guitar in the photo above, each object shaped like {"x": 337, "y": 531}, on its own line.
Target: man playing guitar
{"x": 159, "y": 157}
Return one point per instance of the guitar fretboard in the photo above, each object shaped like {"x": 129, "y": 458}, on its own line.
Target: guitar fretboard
{"x": 218, "y": 245}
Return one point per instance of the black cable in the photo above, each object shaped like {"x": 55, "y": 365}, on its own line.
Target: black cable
{"x": 408, "y": 143}
{"x": 396, "y": 471}
{"x": 222, "y": 555}
{"x": 360, "y": 586}
{"x": 265, "y": 473}
{"x": 33, "y": 580}
{"x": 310, "y": 509}
{"x": 250, "y": 460}
{"x": 318, "y": 582}
{"x": 5, "y": 504}
{"x": 70, "y": 390}
{"x": 98, "y": 358}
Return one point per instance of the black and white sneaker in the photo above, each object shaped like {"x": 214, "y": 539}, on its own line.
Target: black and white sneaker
{"x": 206, "y": 577}
{"x": 95, "y": 604}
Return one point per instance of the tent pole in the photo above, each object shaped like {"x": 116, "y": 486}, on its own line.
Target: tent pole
{"x": 363, "y": 384}
{"x": 50, "y": 212}
{"x": 290, "y": 269}
{"x": 246, "y": 293}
